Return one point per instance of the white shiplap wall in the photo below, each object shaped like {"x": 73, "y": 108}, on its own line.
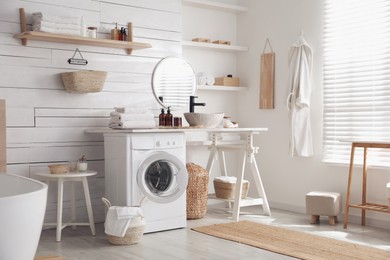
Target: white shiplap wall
{"x": 45, "y": 124}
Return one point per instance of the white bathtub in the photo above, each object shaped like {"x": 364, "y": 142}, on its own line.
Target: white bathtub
{"x": 22, "y": 210}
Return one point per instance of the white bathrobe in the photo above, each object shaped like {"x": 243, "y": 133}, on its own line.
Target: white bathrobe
{"x": 298, "y": 101}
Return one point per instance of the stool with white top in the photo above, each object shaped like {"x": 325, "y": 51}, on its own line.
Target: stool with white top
{"x": 72, "y": 177}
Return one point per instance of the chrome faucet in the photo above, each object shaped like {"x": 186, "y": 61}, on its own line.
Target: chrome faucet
{"x": 193, "y": 104}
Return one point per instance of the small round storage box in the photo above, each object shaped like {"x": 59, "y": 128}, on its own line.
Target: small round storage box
{"x": 225, "y": 187}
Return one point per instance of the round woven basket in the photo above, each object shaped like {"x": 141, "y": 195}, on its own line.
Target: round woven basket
{"x": 58, "y": 168}
{"x": 197, "y": 191}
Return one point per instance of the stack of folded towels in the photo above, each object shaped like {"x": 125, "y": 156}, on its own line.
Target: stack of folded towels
{"x": 56, "y": 24}
{"x": 130, "y": 117}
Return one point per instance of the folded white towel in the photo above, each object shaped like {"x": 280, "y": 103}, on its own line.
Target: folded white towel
{"x": 37, "y": 17}
{"x": 117, "y": 225}
{"x": 60, "y": 31}
{"x": 131, "y": 110}
{"x": 133, "y": 124}
{"x": 131, "y": 117}
{"x": 58, "y": 26}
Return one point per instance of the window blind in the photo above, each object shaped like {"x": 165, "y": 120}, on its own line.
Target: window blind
{"x": 356, "y": 74}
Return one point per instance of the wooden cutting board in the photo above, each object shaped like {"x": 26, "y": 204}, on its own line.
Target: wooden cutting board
{"x": 267, "y": 80}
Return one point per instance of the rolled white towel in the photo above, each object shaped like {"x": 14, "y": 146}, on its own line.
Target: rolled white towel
{"x": 133, "y": 124}
{"x": 131, "y": 117}
{"x": 131, "y": 110}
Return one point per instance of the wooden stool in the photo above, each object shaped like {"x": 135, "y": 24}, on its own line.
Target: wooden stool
{"x": 319, "y": 203}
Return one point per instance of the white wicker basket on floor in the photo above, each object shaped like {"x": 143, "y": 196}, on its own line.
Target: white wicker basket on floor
{"x": 84, "y": 81}
{"x": 225, "y": 190}
{"x": 133, "y": 234}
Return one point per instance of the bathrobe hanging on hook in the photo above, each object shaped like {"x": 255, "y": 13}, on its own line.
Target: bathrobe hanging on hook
{"x": 300, "y": 62}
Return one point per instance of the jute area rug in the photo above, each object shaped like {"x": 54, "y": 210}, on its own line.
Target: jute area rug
{"x": 291, "y": 243}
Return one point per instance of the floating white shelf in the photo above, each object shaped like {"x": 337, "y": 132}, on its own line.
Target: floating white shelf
{"x": 215, "y": 6}
{"x": 214, "y": 46}
{"x": 221, "y": 88}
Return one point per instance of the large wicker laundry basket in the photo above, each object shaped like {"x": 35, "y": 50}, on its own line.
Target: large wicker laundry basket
{"x": 133, "y": 234}
{"x": 197, "y": 191}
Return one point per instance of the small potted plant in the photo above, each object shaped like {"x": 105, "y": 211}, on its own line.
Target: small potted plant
{"x": 82, "y": 164}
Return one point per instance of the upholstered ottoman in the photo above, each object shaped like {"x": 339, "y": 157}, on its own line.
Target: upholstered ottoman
{"x": 320, "y": 203}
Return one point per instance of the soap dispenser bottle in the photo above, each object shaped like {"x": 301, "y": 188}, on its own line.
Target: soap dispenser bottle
{"x": 168, "y": 117}
{"x": 161, "y": 118}
{"x": 115, "y": 33}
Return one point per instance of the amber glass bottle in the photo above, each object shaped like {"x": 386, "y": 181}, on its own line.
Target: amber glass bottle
{"x": 161, "y": 118}
{"x": 168, "y": 118}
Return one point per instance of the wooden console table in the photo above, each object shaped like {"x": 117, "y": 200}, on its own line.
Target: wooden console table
{"x": 364, "y": 205}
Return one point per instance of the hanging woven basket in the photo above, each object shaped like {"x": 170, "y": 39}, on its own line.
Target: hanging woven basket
{"x": 84, "y": 81}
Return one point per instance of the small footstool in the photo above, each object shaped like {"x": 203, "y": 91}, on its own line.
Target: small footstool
{"x": 320, "y": 203}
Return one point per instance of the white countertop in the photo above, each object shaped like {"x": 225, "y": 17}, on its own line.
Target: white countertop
{"x": 105, "y": 130}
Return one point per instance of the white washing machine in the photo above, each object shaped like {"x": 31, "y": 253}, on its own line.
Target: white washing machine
{"x": 150, "y": 166}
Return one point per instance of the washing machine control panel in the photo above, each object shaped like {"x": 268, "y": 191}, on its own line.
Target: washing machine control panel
{"x": 168, "y": 141}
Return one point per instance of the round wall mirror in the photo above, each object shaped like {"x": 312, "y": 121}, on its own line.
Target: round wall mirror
{"x": 173, "y": 83}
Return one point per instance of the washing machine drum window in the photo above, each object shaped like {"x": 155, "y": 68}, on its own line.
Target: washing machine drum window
{"x": 162, "y": 177}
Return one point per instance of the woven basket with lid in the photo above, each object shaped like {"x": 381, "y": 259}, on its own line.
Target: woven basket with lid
{"x": 197, "y": 191}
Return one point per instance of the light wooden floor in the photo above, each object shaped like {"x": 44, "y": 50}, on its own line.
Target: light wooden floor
{"x": 187, "y": 244}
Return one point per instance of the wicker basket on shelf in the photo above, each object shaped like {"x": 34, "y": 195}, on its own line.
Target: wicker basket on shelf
{"x": 58, "y": 168}
{"x": 84, "y": 81}
{"x": 226, "y": 190}
{"x": 197, "y": 191}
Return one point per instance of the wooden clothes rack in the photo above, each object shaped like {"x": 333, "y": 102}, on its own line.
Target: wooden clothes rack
{"x": 364, "y": 205}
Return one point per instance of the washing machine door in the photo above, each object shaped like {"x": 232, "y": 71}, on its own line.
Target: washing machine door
{"x": 162, "y": 177}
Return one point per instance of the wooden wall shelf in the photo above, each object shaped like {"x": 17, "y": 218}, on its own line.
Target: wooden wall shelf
{"x": 52, "y": 37}
{"x": 63, "y": 38}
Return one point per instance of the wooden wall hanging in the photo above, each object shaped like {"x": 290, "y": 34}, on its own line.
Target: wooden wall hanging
{"x": 267, "y": 78}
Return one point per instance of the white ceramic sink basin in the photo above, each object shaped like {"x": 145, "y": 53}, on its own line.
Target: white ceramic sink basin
{"x": 206, "y": 120}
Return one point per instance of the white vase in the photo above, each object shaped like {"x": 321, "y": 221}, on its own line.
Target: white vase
{"x": 82, "y": 166}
